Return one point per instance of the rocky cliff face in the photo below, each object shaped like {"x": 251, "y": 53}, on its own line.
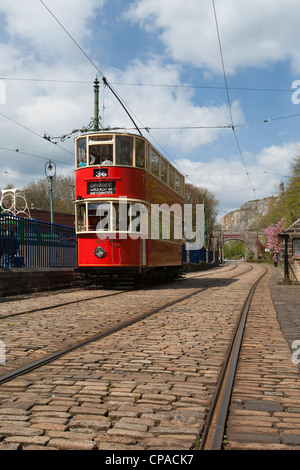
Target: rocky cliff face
{"x": 246, "y": 216}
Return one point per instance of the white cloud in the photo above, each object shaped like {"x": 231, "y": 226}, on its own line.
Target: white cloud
{"x": 168, "y": 112}
{"x": 36, "y": 26}
{"x": 229, "y": 181}
{"x": 33, "y": 45}
{"x": 256, "y": 33}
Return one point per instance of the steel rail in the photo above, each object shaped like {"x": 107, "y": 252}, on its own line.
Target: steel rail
{"x": 213, "y": 433}
{"x": 56, "y": 355}
{"x": 63, "y": 304}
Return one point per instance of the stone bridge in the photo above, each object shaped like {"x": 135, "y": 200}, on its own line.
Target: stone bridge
{"x": 254, "y": 241}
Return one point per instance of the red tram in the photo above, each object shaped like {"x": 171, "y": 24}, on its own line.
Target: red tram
{"x": 128, "y": 207}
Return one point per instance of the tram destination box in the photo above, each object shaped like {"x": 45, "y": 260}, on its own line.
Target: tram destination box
{"x": 101, "y": 187}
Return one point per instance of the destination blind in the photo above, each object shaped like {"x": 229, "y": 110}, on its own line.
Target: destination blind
{"x": 101, "y": 187}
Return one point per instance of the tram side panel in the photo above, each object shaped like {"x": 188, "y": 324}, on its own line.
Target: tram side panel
{"x": 163, "y": 252}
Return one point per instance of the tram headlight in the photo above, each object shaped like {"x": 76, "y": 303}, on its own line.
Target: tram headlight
{"x": 100, "y": 252}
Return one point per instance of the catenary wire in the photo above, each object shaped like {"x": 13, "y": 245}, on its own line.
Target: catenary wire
{"x": 33, "y": 132}
{"x": 155, "y": 85}
{"x": 228, "y": 97}
{"x": 94, "y": 65}
{"x": 17, "y": 151}
{"x": 97, "y": 68}
{"x": 123, "y": 104}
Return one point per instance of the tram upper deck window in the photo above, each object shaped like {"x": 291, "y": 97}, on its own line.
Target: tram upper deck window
{"x": 140, "y": 153}
{"x": 81, "y": 153}
{"x": 124, "y": 150}
{"x": 171, "y": 177}
{"x": 101, "y": 154}
{"x": 164, "y": 170}
{"x": 154, "y": 163}
{"x": 100, "y": 138}
{"x": 178, "y": 183}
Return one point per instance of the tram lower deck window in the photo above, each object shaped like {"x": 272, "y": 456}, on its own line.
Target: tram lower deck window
{"x": 98, "y": 217}
{"x": 80, "y": 218}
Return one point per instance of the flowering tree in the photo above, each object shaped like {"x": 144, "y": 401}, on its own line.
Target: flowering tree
{"x": 272, "y": 234}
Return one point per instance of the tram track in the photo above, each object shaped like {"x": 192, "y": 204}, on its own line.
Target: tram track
{"x": 107, "y": 367}
{"x": 78, "y": 300}
{"x": 62, "y": 304}
{"x": 213, "y": 434}
{"x": 125, "y": 324}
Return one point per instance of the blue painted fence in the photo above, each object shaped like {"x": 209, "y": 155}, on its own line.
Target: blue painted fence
{"x": 31, "y": 243}
{"x": 205, "y": 255}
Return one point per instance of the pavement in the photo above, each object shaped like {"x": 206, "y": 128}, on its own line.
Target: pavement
{"x": 286, "y": 299}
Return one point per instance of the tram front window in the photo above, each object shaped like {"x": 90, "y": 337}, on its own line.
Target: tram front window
{"x": 81, "y": 153}
{"x": 101, "y": 154}
{"x": 124, "y": 150}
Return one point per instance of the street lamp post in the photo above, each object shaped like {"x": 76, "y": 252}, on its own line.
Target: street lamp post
{"x": 50, "y": 171}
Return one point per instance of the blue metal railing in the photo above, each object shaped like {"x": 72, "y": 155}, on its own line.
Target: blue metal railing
{"x": 31, "y": 243}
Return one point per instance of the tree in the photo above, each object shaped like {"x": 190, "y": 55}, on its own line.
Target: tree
{"x": 292, "y": 194}
{"x": 38, "y": 194}
{"x": 198, "y": 195}
{"x": 287, "y": 205}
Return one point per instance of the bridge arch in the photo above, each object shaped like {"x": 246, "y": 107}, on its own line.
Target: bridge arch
{"x": 253, "y": 240}
{"x": 234, "y": 246}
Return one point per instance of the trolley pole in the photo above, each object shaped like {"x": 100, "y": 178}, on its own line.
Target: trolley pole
{"x": 96, "y": 104}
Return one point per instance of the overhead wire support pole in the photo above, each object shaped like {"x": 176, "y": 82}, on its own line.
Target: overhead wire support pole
{"x": 96, "y": 105}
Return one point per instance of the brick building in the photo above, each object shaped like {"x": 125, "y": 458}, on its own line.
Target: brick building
{"x": 58, "y": 218}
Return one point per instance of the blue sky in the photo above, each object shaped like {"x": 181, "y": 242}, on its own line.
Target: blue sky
{"x": 163, "y": 59}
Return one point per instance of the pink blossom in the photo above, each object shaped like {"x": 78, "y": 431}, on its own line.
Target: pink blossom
{"x": 272, "y": 234}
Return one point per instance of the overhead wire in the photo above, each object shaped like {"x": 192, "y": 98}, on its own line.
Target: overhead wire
{"x": 155, "y": 85}
{"x": 17, "y": 174}
{"x": 228, "y": 98}
{"x": 33, "y": 132}
{"x": 18, "y": 151}
{"x": 94, "y": 65}
{"x": 125, "y": 107}
{"x": 264, "y": 120}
